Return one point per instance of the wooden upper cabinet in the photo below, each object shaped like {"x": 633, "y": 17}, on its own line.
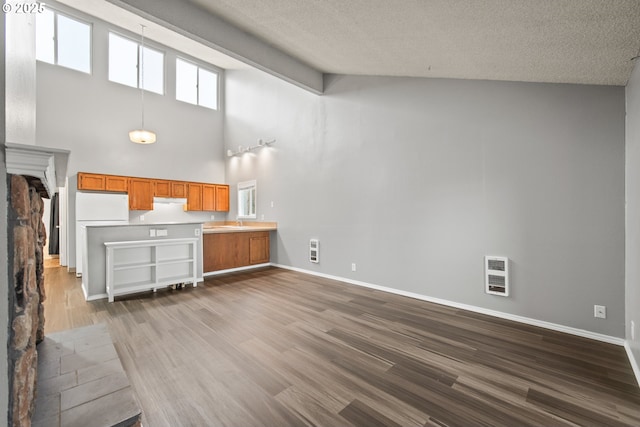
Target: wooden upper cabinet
{"x": 101, "y": 182}
{"x": 215, "y": 197}
{"x": 200, "y": 196}
{"x": 91, "y": 181}
{"x": 194, "y": 197}
{"x": 140, "y": 194}
{"x": 116, "y": 183}
{"x": 161, "y": 188}
{"x": 208, "y": 197}
{"x": 222, "y": 198}
{"x": 178, "y": 189}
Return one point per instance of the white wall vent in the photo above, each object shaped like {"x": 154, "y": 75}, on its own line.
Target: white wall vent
{"x": 496, "y": 276}
{"x": 314, "y": 250}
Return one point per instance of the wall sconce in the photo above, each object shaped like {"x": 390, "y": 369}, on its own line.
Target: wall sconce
{"x": 242, "y": 150}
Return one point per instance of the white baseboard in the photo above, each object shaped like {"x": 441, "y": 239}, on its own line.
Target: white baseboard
{"x": 633, "y": 361}
{"x": 96, "y": 297}
{"x": 521, "y": 319}
{"x": 232, "y": 270}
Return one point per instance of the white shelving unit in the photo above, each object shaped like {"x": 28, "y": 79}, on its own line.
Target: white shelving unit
{"x": 142, "y": 265}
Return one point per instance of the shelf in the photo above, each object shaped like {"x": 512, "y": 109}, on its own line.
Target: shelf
{"x": 119, "y": 267}
{"x": 178, "y": 266}
{"x": 175, "y": 261}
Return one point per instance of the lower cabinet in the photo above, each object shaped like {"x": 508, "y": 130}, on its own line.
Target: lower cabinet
{"x": 222, "y": 251}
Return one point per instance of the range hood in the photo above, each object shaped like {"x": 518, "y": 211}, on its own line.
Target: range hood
{"x": 170, "y": 200}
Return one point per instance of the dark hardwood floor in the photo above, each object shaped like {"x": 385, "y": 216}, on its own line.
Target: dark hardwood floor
{"x": 279, "y": 348}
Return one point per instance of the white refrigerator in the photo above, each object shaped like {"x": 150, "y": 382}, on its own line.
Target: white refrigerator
{"x": 97, "y": 209}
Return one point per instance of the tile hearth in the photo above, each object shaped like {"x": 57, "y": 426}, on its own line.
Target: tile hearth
{"x": 81, "y": 381}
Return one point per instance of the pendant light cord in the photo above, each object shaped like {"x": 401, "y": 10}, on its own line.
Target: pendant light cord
{"x": 142, "y": 73}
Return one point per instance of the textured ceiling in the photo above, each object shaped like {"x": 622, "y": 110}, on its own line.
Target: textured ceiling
{"x": 563, "y": 41}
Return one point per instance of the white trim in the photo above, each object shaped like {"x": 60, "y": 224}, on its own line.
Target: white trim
{"x": 84, "y": 291}
{"x": 633, "y": 361}
{"x": 96, "y": 297}
{"x": 231, "y": 270}
{"x": 521, "y": 319}
{"x": 47, "y": 164}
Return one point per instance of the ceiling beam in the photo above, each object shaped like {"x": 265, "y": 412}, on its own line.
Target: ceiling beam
{"x": 198, "y": 24}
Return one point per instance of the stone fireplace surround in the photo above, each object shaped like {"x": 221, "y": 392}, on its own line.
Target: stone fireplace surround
{"x": 26, "y": 238}
{"x": 32, "y": 172}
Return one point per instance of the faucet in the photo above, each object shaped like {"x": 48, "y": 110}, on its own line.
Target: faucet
{"x": 239, "y": 221}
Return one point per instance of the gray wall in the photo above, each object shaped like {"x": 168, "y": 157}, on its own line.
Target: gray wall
{"x": 92, "y": 117}
{"x": 4, "y": 245}
{"x": 632, "y": 294}
{"x": 415, "y": 180}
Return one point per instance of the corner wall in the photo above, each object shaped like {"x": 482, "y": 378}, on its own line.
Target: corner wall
{"x": 416, "y": 180}
{"x": 632, "y": 290}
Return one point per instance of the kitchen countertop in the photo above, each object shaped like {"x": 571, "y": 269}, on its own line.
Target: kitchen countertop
{"x": 132, "y": 224}
{"x": 233, "y": 227}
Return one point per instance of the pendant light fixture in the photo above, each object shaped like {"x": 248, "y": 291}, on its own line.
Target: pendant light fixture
{"x": 142, "y": 136}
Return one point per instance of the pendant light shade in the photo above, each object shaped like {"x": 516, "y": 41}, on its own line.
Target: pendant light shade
{"x": 142, "y": 136}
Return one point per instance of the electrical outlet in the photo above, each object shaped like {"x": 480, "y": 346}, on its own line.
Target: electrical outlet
{"x": 197, "y": 231}
{"x": 141, "y": 217}
{"x": 600, "y": 311}
{"x": 213, "y": 217}
{"x": 152, "y": 233}
{"x": 353, "y": 266}
{"x": 262, "y": 217}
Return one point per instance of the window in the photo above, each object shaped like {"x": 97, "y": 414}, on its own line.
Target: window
{"x": 63, "y": 41}
{"x": 196, "y": 85}
{"x": 125, "y": 59}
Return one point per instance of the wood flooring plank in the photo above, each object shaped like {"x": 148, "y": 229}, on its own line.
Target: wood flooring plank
{"x": 359, "y": 414}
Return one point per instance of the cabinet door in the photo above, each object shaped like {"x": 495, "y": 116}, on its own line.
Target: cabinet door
{"x": 178, "y": 189}
{"x": 162, "y": 188}
{"x": 91, "y": 181}
{"x": 116, "y": 183}
{"x": 222, "y": 198}
{"x": 194, "y": 197}
{"x": 222, "y": 251}
{"x": 259, "y": 247}
{"x": 140, "y": 194}
{"x": 208, "y": 197}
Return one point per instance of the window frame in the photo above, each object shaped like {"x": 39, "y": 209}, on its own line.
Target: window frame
{"x": 199, "y": 66}
{"x": 139, "y": 54}
{"x": 71, "y": 17}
